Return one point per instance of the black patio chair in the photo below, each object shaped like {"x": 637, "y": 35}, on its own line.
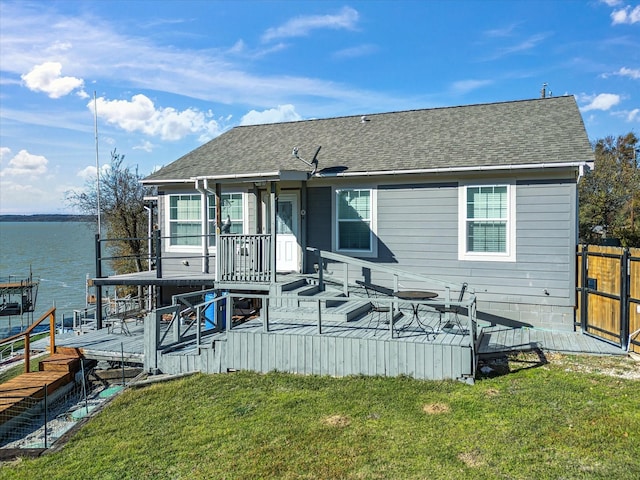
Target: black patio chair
{"x": 452, "y": 310}
{"x": 380, "y": 311}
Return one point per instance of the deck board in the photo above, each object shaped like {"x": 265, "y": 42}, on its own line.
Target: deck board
{"x": 497, "y": 340}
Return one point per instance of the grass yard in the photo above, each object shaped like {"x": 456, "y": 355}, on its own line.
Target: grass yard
{"x": 553, "y": 420}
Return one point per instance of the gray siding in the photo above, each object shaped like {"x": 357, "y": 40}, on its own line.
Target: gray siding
{"x": 318, "y": 221}
{"x": 418, "y": 232}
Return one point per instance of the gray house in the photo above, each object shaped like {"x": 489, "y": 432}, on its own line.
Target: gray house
{"x": 480, "y": 194}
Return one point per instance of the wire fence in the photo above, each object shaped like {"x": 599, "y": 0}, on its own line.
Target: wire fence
{"x": 33, "y": 423}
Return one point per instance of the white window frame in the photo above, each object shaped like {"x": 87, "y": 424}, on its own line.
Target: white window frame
{"x": 181, "y": 248}
{"x": 510, "y": 254}
{"x": 243, "y": 220}
{"x": 373, "y": 223}
{"x": 198, "y": 247}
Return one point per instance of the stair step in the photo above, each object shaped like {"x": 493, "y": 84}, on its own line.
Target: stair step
{"x": 70, "y": 351}
{"x": 60, "y": 363}
{"x": 345, "y": 312}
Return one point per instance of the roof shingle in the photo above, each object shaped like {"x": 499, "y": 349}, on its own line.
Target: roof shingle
{"x": 536, "y": 131}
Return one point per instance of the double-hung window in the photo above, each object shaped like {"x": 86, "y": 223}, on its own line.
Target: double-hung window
{"x": 487, "y": 222}
{"x": 185, "y": 218}
{"x": 355, "y": 220}
{"x": 232, "y": 210}
{"x": 185, "y": 225}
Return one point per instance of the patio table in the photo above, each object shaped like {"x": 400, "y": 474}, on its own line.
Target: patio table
{"x": 414, "y": 297}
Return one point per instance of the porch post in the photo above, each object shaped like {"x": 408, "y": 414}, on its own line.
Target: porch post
{"x": 274, "y": 206}
{"x": 204, "y": 228}
{"x": 218, "y": 195}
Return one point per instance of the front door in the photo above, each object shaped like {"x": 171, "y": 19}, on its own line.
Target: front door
{"x": 287, "y": 228}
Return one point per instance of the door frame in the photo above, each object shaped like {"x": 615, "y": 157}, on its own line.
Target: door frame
{"x": 266, "y": 223}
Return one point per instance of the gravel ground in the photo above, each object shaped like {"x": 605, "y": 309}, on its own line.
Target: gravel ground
{"x": 620, "y": 366}
{"x": 61, "y": 420}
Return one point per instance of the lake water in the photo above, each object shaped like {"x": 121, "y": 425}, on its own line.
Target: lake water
{"x": 60, "y": 255}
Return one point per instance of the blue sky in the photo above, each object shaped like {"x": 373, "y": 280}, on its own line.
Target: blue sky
{"x": 169, "y": 76}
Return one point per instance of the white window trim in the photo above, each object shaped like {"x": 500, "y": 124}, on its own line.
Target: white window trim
{"x": 245, "y": 209}
{"x": 373, "y": 251}
{"x": 198, "y": 248}
{"x": 167, "y": 241}
{"x": 510, "y": 254}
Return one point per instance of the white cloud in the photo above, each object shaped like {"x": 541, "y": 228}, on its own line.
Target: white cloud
{"x": 87, "y": 172}
{"x": 146, "y": 146}
{"x": 301, "y": 26}
{"x": 634, "y": 115}
{"x": 283, "y": 113}
{"x": 629, "y": 72}
{"x": 141, "y": 115}
{"x": 354, "y": 52}
{"x": 626, "y": 15}
{"x": 98, "y": 49}
{"x": 4, "y": 153}
{"x": 48, "y": 78}
{"x": 465, "y": 86}
{"x": 612, "y": 3}
{"x": 24, "y": 163}
{"x": 603, "y": 101}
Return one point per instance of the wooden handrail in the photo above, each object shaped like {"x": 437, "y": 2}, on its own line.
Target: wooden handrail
{"x": 51, "y": 314}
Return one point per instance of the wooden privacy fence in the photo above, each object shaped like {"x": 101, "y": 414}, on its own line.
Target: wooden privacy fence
{"x": 608, "y": 299}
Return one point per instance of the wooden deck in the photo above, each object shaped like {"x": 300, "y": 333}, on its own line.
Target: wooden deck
{"x": 105, "y": 345}
{"x": 343, "y": 348}
{"x": 499, "y": 340}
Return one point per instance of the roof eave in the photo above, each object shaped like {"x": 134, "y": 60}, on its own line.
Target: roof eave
{"x": 424, "y": 171}
{"x": 275, "y": 176}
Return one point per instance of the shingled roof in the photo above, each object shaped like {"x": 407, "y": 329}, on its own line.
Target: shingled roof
{"x": 527, "y": 132}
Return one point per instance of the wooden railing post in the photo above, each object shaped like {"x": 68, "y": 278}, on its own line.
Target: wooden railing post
{"x": 52, "y": 332}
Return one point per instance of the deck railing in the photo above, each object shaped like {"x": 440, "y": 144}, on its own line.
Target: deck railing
{"x": 26, "y": 336}
{"x": 245, "y": 258}
{"x": 193, "y": 315}
{"x": 238, "y": 257}
{"x": 398, "y": 275}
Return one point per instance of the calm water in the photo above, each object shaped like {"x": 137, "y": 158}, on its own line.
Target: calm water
{"x": 60, "y": 254}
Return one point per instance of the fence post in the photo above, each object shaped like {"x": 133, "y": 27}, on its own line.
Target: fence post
{"x": 27, "y": 353}
{"x": 625, "y": 297}
{"x": 45, "y": 416}
{"x": 584, "y": 295}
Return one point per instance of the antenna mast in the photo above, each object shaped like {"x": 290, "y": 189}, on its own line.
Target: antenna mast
{"x": 95, "y": 126}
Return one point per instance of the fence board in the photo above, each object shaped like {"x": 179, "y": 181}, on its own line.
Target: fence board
{"x": 604, "y": 313}
{"x": 634, "y": 291}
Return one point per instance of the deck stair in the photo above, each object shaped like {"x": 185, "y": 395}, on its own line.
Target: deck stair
{"x": 54, "y": 372}
{"x": 304, "y": 303}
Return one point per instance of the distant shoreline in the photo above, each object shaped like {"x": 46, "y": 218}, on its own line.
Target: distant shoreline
{"x": 47, "y": 218}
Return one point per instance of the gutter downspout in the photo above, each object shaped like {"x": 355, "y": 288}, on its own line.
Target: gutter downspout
{"x": 149, "y": 248}
{"x": 204, "y": 228}
{"x": 216, "y": 196}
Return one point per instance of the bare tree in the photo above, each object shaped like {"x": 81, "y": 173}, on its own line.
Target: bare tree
{"x": 122, "y": 211}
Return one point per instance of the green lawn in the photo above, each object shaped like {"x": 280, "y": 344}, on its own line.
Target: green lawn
{"x": 538, "y": 421}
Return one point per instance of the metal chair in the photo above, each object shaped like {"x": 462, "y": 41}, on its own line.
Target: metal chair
{"x": 452, "y": 310}
{"x": 380, "y": 312}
